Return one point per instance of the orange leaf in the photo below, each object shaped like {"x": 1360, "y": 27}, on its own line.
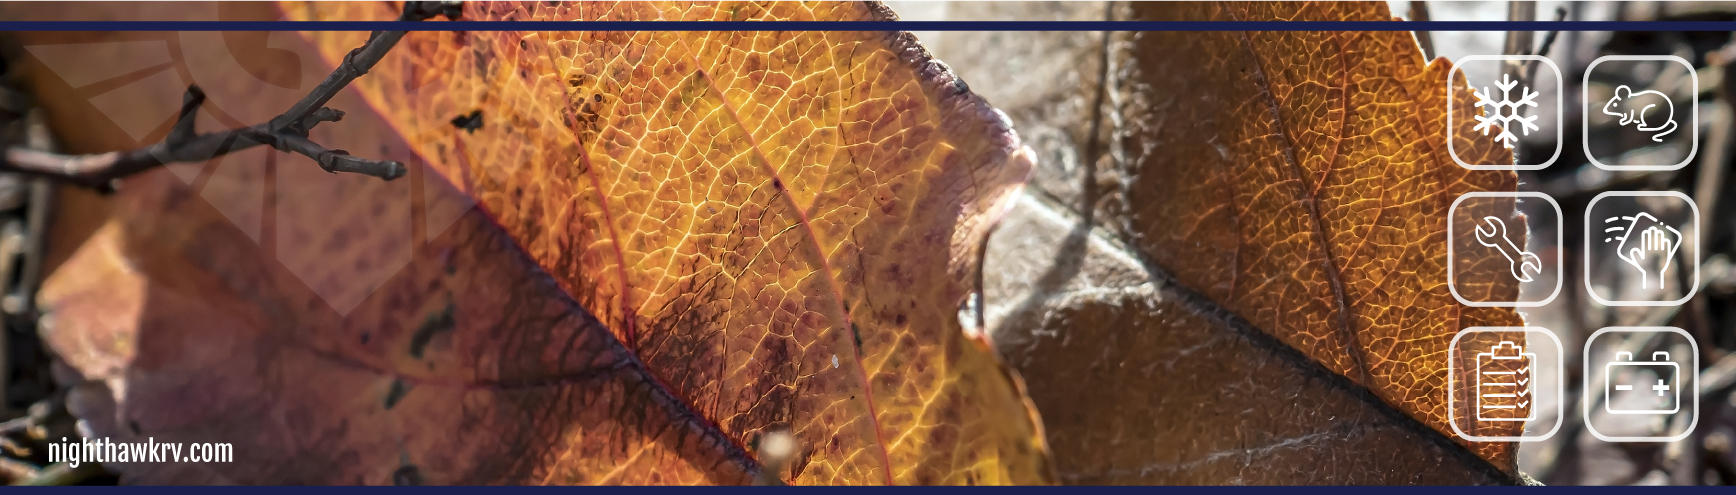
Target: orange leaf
{"x": 1276, "y": 204}
{"x": 697, "y": 239}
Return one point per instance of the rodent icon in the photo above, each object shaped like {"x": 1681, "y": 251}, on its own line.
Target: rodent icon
{"x": 1633, "y": 108}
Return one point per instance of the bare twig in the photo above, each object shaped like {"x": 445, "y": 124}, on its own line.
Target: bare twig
{"x": 1549, "y": 39}
{"x": 1543, "y": 51}
{"x": 359, "y": 60}
{"x": 287, "y": 132}
{"x": 98, "y": 170}
{"x": 1419, "y": 12}
{"x": 1519, "y": 42}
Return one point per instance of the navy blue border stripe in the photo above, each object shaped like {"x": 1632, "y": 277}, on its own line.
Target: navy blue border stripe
{"x": 868, "y": 26}
{"x": 902, "y": 490}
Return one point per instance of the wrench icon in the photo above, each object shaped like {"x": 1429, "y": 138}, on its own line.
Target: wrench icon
{"x": 1523, "y": 263}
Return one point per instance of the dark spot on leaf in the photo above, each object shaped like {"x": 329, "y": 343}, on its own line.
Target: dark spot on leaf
{"x": 468, "y": 122}
{"x": 598, "y": 97}
{"x": 434, "y": 324}
{"x": 856, "y": 332}
{"x": 778, "y": 184}
{"x": 399, "y": 388}
{"x": 407, "y": 475}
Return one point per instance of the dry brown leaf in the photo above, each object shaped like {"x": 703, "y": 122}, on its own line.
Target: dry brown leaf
{"x": 723, "y": 235}
{"x": 1326, "y": 222}
{"x": 1273, "y": 306}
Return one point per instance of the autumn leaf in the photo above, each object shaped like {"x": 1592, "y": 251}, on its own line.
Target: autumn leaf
{"x": 1240, "y": 243}
{"x": 685, "y": 241}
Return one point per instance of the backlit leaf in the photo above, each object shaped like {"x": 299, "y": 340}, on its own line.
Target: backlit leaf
{"x": 1269, "y": 304}
{"x": 686, "y": 240}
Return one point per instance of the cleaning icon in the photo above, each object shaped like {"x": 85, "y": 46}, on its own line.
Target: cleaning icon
{"x": 1652, "y": 236}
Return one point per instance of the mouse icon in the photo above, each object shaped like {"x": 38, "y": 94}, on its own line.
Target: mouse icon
{"x": 1634, "y": 108}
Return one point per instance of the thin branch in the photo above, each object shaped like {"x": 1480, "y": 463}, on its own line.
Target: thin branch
{"x": 355, "y": 64}
{"x": 1419, "y": 12}
{"x": 1519, "y": 42}
{"x": 1543, "y": 51}
{"x": 182, "y": 132}
{"x": 1549, "y": 39}
{"x": 286, "y": 132}
{"x": 360, "y": 60}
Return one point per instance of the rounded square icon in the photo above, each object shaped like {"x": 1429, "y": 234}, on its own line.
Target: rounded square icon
{"x": 1507, "y": 109}
{"x": 1504, "y": 384}
{"x": 1638, "y": 246}
{"x": 1488, "y": 250}
{"x": 1641, "y": 384}
{"x": 1647, "y": 119}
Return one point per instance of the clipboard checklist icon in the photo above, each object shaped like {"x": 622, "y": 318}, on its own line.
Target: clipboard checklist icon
{"x": 1504, "y": 381}
{"x": 1504, "y": 384}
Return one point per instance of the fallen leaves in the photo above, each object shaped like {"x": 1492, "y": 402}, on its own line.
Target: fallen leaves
{"x": 691, "y": 241}
{"x": 723, "y": 235}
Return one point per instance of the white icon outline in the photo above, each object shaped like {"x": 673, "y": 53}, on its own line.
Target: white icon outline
{"x": 1675, "y": 383}
{"x": 1518, "y": 260}
{"x": 1452, "y": 277}
{"x": 1692, "y": 259}
{"x": 1495, "y": 117}
{"x": 1452, "y": 96}
{"x": 1452, "y": 386}
{"x": 1519, "y": 354}
{"x": 1694, "y": 377}
{"x": 1652, "y": 238}
{"x": 1638, "y": 117}
{"x": 1693, "y": 105}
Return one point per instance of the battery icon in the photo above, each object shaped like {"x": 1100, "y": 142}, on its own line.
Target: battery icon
{"x": 1633, "y": 387}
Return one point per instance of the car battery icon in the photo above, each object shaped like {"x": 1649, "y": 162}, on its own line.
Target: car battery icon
{"x": 1632, "y": 387}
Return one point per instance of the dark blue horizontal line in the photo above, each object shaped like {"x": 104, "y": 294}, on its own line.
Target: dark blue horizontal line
{"x": 868, "y": 26}
{"x": 902, "y": 490}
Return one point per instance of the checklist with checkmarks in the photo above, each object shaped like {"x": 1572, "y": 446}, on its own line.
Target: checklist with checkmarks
{"x": 1504, "y": 384}
{"x": 1504, "y": 380}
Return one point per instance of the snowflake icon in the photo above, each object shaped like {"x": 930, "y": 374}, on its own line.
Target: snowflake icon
{"x": 1505, "y": 112}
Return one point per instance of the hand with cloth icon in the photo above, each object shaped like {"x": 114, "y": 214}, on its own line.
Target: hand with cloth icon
{"x": 1654, "y": 244}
